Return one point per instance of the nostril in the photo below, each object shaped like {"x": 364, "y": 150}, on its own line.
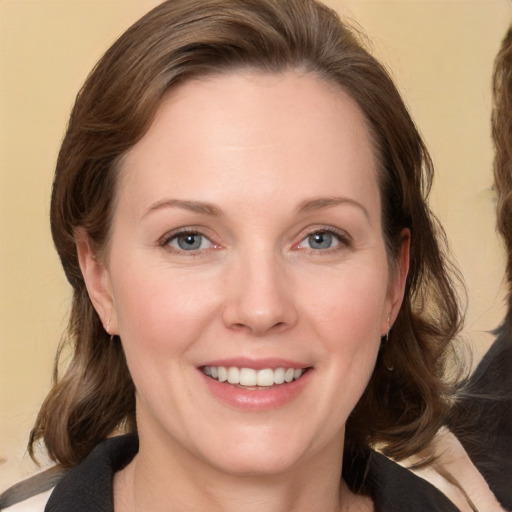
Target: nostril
{"x": 258, "y": 330}
{"x": 239, "y": 327}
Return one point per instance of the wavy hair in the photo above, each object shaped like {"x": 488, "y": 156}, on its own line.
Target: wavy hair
{"x": 183, "y": 39}
{"x": 502, "y": 138}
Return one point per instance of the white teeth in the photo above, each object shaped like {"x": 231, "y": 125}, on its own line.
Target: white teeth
{"x": 222, "y": 374}
{"x": 233, "y": 375}
{"x": 279, "y": 375}
{"x": 266, "y": 377}
{"x": 250, "y": 377}
{"x": 288, "y": 374}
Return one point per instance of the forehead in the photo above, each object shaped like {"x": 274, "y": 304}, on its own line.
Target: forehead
{"x": 253, "y": 132}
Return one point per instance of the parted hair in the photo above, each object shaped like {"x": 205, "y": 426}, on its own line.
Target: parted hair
{"x": 94, "y": 398}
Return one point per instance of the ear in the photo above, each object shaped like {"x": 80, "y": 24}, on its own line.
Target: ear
{"x": 397, "y": 280}
{"x": 97, "y": 280}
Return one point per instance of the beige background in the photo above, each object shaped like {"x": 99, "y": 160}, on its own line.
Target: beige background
{"x": 440, "y": 52}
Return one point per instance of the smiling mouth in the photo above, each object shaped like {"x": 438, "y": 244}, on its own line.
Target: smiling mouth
{"x": 251, "y": 378}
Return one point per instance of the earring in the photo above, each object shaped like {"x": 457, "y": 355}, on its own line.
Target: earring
{"x": 388, "y": 368}
{"x": 107, "y": 329}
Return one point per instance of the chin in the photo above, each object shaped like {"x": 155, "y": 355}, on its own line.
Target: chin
{"x": 258, "y": 454}
{"x": 259, "y": 462}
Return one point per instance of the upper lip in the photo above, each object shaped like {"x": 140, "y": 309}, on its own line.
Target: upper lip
{"x": 256, "y": 364}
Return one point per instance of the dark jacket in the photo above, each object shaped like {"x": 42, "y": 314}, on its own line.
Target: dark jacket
{"x": 88, "y": 486}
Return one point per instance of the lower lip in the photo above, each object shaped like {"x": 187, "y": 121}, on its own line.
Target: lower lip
{"x": 257, "y": 399}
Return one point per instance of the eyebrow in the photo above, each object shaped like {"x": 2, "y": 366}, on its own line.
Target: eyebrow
{"x": 193, "y": 206}
{"x": 328, "y": 202}
{"x": 214, "y": 211}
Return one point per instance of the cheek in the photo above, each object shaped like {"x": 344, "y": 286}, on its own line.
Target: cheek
{"x": 347, "y": 318}
{"x": 349, "y": 305}
{"x": 162, "y": 309}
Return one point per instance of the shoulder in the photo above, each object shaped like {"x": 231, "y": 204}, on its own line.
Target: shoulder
{"x": 393, "y": 488}
{"x": 31, "y": 495}
{"x": 88, "y": 486}
{"x": 400, "y": 489}
{"x": 85, "y": 487}
{"x": 35, "y": 503}
{"x": 452, "y": 471}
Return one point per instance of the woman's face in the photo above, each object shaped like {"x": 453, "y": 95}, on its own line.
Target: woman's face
{"x": 247, "y": 245}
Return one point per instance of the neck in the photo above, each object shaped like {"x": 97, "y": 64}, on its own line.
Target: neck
{"x": 155, "y": 479}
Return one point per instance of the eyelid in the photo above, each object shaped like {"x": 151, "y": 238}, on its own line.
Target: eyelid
{"x": 166, "y": 239}
{"x": 344, "y": 238}
{"x": 341, "y": 235}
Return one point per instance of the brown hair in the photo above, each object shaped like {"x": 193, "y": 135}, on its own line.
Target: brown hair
{"x": 484, "y": 400}
{"x": 181, "y": 39}
{"x": 502, "y": 137}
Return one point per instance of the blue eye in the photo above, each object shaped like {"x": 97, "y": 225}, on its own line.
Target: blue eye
{"x": 189, "y": 241}
{"x": 320, "y": 240}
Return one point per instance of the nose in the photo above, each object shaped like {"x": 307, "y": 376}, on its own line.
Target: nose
{"x": 260, "y": 297}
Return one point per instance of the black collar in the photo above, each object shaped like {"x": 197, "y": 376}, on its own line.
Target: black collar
{"x": 88, "y": 486}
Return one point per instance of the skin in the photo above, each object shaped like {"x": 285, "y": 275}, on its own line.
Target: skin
{"x": 268, "y": 154}
{"x": 454, "y": 474}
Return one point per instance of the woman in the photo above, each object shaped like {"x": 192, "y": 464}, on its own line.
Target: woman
{"x": 260, "y": 291}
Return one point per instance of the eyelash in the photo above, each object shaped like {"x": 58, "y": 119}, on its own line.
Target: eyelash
{"x": 167, "y": 239}
{"x": 343, "y": 239}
